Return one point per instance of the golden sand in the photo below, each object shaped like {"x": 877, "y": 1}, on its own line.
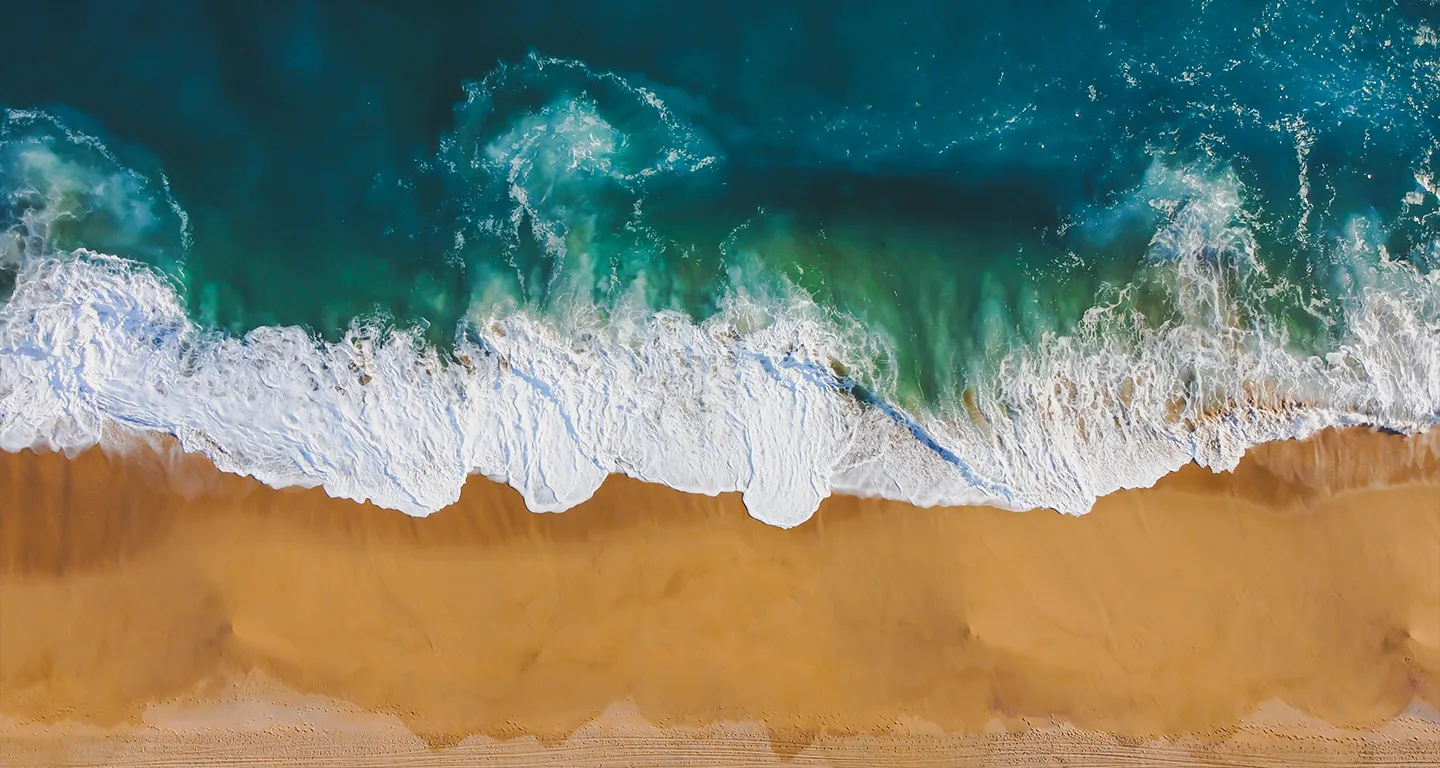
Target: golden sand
{"x": 1305, "y": 584}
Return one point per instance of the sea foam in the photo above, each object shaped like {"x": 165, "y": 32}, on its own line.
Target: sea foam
{"x": 91, "y": 342}
{"x": 750, "y": 399}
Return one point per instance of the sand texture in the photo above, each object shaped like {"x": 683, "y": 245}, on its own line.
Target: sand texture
{"x": 153, "y": 610}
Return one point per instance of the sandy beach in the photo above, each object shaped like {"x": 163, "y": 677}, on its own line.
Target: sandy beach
{"x": 153, "y": 609}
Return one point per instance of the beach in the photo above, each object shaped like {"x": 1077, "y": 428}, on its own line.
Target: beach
{"x": 634, "y": 383}
{"x": 152, "y": 607}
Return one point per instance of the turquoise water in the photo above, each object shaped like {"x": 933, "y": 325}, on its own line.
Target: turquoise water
{"x": 955, "y": 189}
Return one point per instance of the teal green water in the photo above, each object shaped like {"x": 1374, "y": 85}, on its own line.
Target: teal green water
{"x": 961, "y": 179}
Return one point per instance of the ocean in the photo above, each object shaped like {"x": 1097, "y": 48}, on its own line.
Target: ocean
{"x": 1022, "y": 254}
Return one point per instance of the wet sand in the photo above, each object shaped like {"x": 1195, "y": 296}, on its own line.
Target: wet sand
{"x": 1287, "y": 612}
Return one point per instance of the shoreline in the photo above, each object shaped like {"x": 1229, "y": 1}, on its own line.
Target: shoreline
{"x": 1309, "y": 575}
{"x": 708, "y": 405}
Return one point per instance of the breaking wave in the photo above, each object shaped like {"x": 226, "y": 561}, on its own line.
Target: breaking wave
{"x": 767, "y": 395}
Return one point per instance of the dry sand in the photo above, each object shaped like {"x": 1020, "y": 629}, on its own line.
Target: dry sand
{"x": 157, "y": 611}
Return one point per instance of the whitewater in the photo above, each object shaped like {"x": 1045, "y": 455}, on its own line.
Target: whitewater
{"x": 756, "y": 398}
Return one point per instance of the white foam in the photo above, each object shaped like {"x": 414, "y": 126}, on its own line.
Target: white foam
{"x": 91, "y": 342}
{"x": 743, "y": 401}
{"x": 1119, "y": 403}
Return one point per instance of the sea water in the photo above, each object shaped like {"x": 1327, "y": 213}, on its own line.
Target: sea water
{"x": 1022, "y": 254}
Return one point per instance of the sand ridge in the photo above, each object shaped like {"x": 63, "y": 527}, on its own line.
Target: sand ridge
{"x": 1311, "y": 575}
